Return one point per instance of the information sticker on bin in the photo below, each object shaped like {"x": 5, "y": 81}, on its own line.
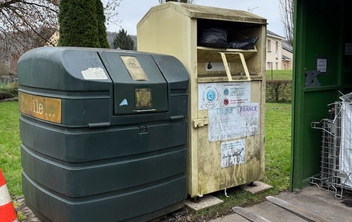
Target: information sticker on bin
{"x": 40, "y": 107}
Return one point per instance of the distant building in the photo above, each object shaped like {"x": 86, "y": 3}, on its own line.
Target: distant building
{"x": 53, "y": 40}
{"x": 287, "y": 55}
{"x": 278, "y": 53}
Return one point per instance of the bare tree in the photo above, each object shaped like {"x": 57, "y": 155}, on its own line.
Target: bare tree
{"x": 22, "y": 22}
{"x": 287, "y": 8}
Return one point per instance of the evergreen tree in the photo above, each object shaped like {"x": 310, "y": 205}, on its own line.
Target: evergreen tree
{"x": 123, "y": 41}
{"x": 78, "y": 23}
{"x": 103, "y": 41}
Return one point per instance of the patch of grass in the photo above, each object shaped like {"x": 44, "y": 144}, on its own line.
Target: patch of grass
{"x": 277, "y": 145}
{"x": 10, "y": 146}
{"x": 279, "y": 74}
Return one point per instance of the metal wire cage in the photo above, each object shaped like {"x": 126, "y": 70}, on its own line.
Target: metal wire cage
{"x": 336, "y": 150}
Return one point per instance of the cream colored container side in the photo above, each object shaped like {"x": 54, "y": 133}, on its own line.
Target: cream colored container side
{"x": 216, "y": 159}
{"x": 165, "y": 30}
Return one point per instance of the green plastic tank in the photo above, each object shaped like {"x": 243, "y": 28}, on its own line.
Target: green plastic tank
{"x": 103, "y": 133}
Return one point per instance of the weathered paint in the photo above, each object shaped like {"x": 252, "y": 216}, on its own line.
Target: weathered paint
{"x": 172, "y": 28}
{"x": 321, "y": 29}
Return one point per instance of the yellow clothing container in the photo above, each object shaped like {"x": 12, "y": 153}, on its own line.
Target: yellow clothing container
{"x": 227, "y": 90}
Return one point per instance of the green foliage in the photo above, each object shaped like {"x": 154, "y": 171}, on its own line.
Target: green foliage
{"x": 123, "y": 41}
{"x": 81, "y": 24}
{"x": 103, "y": 41}
{"x": 8, "y": 91}
{"x": 20, "y": 216}
{"x": 279, "y": 86}
{"x": 279, "y": 91}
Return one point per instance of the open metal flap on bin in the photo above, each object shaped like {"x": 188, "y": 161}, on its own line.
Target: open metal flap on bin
{"x": 139, "y": 86}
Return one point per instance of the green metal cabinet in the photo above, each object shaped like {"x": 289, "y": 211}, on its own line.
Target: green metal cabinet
{"x": 322, "y": 32}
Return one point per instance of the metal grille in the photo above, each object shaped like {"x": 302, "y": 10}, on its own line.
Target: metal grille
{"x": 336, "y": 147}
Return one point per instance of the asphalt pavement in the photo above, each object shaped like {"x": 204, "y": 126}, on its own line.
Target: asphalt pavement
{"x": 322, "y": 205}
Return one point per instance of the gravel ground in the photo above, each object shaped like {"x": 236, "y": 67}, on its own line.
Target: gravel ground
{"x": 22, "y": 207}
{"x": 177, "y": 216}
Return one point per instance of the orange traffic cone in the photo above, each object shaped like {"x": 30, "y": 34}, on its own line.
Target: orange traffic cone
{"x": 7, "y": 211}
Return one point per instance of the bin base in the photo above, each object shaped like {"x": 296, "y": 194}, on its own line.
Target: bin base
{"x": 138, "y": 205}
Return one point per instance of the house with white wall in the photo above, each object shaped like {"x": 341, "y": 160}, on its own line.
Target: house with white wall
{"x": 278, "y": 53}
{"x": 287, "y": 55}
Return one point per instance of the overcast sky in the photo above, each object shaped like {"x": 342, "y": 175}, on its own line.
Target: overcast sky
{"x": 132, "y": 11}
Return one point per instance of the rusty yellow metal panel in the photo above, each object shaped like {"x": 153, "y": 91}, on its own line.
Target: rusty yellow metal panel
{"x": 217, "y": 164}
{"x": 204, "y": 12}
{"x": 164, "y": 29}
{"x": 40, "y": 107}
{"x": 211, "y": 175}
{"x": 143, "y": 97}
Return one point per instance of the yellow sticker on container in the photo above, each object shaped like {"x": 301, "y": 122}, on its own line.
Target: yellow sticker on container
{"x": 40, "y": 107}
{"x": 134, "y": 68}
{"x": 143, "y": 97}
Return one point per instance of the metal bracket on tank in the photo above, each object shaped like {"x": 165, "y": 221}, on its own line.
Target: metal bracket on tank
{"x": 311, "y": 78}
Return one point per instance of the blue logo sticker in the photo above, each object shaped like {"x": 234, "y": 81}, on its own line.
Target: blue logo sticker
{"x": 211, "y": 95}
{"x": 226, "y": 91}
